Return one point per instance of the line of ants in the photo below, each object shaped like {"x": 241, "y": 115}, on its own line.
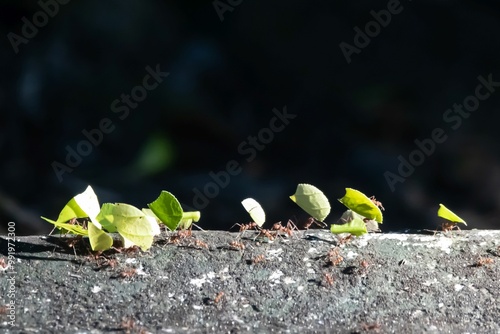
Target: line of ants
{"x": 277, "y": 230}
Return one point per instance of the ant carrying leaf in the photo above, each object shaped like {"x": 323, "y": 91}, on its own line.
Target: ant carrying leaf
{"x": 452, "y": 218}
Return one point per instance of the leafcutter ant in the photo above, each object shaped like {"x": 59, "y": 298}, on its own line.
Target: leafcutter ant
{"x": 449, "y": 226}
{"x": 236, "y": 245}
{"x": 199, "y": 244}
{"x": 288, "y": 230}
{"x": 371, "y": 327}
{"x": 258, "y": 259}
{"x": 345, "y": 240}
{"x": 333, "y": 257}
{"x": 128, "y": 273}
{"x": 219, "y": 297}
{"x": 483, "y": 261}
{"x": 327, "y": 279}
{"x": 377, "y": 203}
{"x": 266, "y": 233}
{"x": 248, "y": 226}
{"x": 311, "y": 221}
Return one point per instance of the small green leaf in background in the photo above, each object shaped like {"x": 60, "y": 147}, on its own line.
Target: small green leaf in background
{"x": 255, "y": 210}
{"x": 355, "y": 227}
{"x": 312, "y": 200}
{"x": 168, "y": 209}
{"x": 156, "y": 155}
{"x": 446, "y": 213}
{"x": 360, "y": 203}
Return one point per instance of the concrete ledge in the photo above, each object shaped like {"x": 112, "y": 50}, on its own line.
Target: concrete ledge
{"x": 390, "y": 282}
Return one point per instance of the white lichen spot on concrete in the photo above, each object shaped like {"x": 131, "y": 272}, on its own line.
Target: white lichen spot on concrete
{"x": 430, "y": 282}
{"x": 458, "y": 287}
{"x": 235, "y": 318}
{"x": 139, "y": 271}
{"x": 417, "y": 314}
{"x": 445, "y": 243}
{"x": 311, "y": 271}
{"x": 308, "y": 264}
{"x": 130, "y": 260}
{"x": 211, "y": 275}
{"x": 198, "y": 307}
{"x": 223, "y": 274}
{"x": 440, "y": 305}
{"x": 300, "y": 288}
{"x": 312, "y": 250}
{"x": 442, "y": 242}
{"x": 351, "y": 255}
{"x": 199, "y": 281}
{"x": 288, "y": 280}
{"x": 96, "y": 289}
{"x": 362, "y": 241}
{"x": 276, "y": 275}
{"x": 305, "y": 259}
{"x": 393, "y": 236}
{"x": 273, "y": 254}
{"x": 488, "y": 232}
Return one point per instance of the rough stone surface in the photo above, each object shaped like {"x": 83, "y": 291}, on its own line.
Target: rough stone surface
{"x": 390, "y": 282}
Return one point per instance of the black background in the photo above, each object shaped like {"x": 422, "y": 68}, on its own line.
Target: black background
{"x": 352, "y": 121}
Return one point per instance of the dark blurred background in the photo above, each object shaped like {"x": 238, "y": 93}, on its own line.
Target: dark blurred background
{"x": 225, "y": 78}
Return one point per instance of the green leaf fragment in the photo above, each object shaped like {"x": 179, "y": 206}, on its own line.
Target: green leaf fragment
{"x": 360, "y": 203}
{"x": 355, "y": 227}
{"x": 99, "y": 240}
{"x": 447, "y": 214}
{"x": 255, "y": 210}
{"x": 134, "y": 226}
{"x": 106, "y": 217}
{"x": 71, "y": 228}
{"x": 81, "y": 206}
{"x": 312, "y": 200}
{"x": 188, "y": 218}
{"x": 168, "y": 209}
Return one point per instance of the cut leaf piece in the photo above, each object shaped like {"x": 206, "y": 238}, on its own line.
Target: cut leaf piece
{"x": 134, "y": 227}
{"x": 88, "y": 203}
{"x": 168, "y": 209}
{"x": 106, "y": 217}
{"x": 99, "y": 240}
{"x": 255, "y": 210}
{"x": 360, "y": 203}
{"x": 312, "y": 200}
{"x": 81, "y": 206}
{"x": 71, "y": 228}
{"x": 356, "y": 227}
{"x": 446, "y": 213}
{"x": 188, "y": 218}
